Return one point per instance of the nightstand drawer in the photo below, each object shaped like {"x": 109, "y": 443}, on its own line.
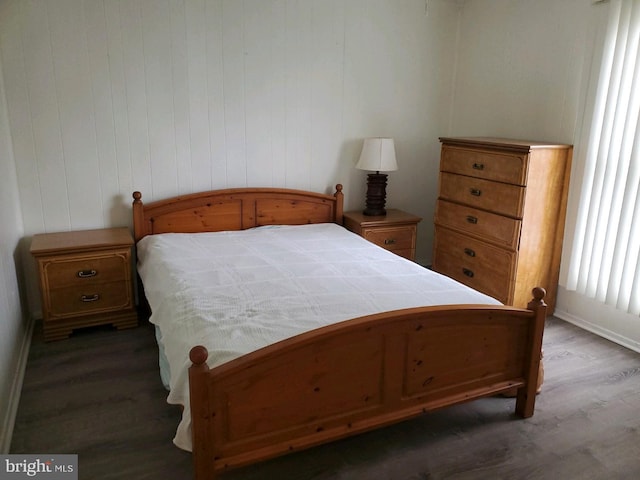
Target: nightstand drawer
{"x": 479, "y": 265}
{"x": 392, "y": 238}
{"x": 396, "y": 231}
{"x": 71, "y": 271}
{"x": 499, "y": 166}
{"x": 96, "y": 298}
{"x": 495, "y": 197}
{"x": 498, "y": 229}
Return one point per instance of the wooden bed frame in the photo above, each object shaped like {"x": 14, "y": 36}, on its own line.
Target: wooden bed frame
{"x": 348, "y": 377}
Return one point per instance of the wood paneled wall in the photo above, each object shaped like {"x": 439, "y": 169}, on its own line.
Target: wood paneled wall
{"x": 173, "y": 96}
{"x": 105, "y": 97}
{"x": 14, "y": 330}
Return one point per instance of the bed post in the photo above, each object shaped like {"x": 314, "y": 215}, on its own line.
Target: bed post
{"x": 138, "y": 216}
{"x": 339, "y": 196}
{"x": 202, "y": 448}
{"x": 526, "y": 396}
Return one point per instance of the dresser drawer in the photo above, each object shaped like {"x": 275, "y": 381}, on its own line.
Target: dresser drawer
{"x": 497, "y": 229}
{"x": 75, "y": 271}
{"x": 92, "y": 298}
{"x": 498, "y": 166}
{"x": 477, "y": 264}
{"x": 392, "y": 238}
{"x": 502, "y": 198}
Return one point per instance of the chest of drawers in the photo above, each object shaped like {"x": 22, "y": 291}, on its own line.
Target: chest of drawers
{"x": 396, "y": 231}
{"x": 85, "y": 279}
{"x": 499, "y": 220}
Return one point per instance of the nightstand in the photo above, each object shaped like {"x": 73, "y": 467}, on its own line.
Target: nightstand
{"x": 396, "y": 231}
{"x": 85, "y": 280}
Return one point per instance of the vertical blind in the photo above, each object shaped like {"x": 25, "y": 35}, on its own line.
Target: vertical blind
{"x": 604, "y": 256}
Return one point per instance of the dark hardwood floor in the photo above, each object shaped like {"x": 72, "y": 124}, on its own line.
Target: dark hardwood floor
{"x": 98, "y": 394}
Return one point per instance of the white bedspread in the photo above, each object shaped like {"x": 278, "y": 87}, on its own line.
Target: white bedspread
{"x": 235, "y": 292}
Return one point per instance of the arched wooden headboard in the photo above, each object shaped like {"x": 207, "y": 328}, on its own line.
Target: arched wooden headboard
{"x": 234, "y": 209}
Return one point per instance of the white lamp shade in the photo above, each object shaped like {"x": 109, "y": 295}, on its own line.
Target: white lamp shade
{"x": 378, "y": 154}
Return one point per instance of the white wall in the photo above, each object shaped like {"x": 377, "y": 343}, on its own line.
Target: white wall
{"x": 169, "y": 96}
{"x": 520, "y": 68}
{"x": 14, "y": 332}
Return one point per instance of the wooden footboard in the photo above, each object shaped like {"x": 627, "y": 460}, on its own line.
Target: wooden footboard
{"x": 358, "y": 375}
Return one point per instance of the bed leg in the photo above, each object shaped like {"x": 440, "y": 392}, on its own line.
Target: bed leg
{"x": 526, "y": 396}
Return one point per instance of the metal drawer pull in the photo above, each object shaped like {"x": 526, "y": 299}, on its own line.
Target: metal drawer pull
{"x": 478, "y": 166}
{"x": 470, "y": 252}
{"x": 472, "y": 219}
{"x": 467, "y": 272}
{"x": 90, "y": 298}
{"x": 389, "y": 241}
{"x": 475, "y": 192}
{"x": 87, "y": 273}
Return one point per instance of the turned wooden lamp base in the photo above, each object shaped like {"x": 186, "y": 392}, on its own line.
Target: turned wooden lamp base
{"x": 376, "y": 194}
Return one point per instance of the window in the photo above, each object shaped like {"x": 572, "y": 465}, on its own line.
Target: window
{"x": 605, "y": 249}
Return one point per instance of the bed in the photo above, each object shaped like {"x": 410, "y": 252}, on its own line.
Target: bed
{"x": 282, "y": 330}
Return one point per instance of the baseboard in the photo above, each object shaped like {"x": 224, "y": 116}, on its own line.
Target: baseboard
{"x": 598, "y": 330}
{"x": 6, "y": 433}
{"x": 594, "y": 316}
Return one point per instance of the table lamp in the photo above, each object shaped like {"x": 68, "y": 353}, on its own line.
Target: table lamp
{"x": 379, "y": 155}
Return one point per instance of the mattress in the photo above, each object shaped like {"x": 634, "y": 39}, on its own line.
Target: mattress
{"x": 235, "y": 292}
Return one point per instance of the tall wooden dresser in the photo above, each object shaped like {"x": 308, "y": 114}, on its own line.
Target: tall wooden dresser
{"x": 499, "y": 220}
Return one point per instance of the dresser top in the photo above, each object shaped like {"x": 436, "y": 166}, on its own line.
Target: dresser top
{"x": 505, "y": 143}
{"x": 82, "y": 240}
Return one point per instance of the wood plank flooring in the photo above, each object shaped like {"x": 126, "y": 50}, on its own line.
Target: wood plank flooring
{"x": 98, "y": 394}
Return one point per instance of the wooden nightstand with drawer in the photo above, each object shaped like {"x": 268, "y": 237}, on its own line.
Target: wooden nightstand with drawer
{"x": 500, "y": 214}
{"x": 85, "y": 280}
{"x": 396, "y": 231}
